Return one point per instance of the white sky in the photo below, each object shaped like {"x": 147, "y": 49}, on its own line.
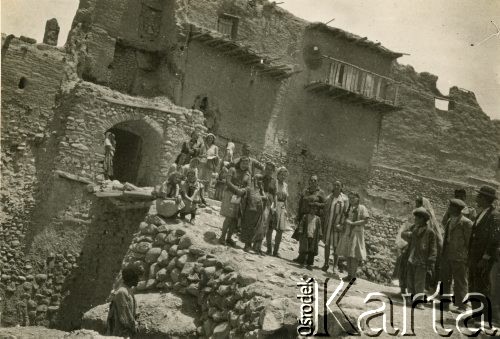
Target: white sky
{"x": 437, "y": 33}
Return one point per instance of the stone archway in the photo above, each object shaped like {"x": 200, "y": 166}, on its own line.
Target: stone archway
{"x": 137, "y": 154}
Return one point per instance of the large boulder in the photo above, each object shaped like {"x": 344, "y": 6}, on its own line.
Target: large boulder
{"x": 160, "y": 315}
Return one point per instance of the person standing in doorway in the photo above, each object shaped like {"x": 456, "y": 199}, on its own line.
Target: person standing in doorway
{"x": 109, "y": 153}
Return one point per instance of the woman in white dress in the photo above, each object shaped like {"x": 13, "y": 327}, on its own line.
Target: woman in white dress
{"x": 209, "y": 160}
{"x": 355, "y": 229}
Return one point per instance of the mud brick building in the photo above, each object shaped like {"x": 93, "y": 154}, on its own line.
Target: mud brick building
{"x": 309, "y": 96}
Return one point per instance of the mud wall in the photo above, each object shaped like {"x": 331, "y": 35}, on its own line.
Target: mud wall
{"x": 456, "y": 144}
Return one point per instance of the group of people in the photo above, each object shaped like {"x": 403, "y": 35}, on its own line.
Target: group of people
{"x": 337, "y": 219}
{"x": 459, "y": 251}
{"x": 190, "y": 176}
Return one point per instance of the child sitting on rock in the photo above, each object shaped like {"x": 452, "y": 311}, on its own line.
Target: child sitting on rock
{"x": 169, "y": 199}
{"x": 192, "y": 195}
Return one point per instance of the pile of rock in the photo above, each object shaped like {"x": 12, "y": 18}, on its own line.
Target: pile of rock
{"x": 231, "y": 303}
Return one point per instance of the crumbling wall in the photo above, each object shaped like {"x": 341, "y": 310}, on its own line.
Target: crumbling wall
{"x": 31, "y": 77}
{"x": 456, "y": 144}
{"x": 262, "y": 25}
{"x": 120, "y": 38}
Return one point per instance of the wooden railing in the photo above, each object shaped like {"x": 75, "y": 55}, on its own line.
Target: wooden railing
{"x": 357, "y": 80}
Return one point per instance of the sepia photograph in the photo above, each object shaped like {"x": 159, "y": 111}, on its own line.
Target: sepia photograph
{"x": 249, "y": 169}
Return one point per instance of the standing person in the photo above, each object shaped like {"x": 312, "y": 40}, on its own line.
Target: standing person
{"x": 221, "y": 181}
{"x": 228, "y": 156}
{"x": 309, "y": 231}
{"x": 336, "y": 207}
{"x": 252, "y": 208}
{"x": 433, "y": 275}
{"x": 454, "y": 257}
{"x": 355, "y": 227}
{"x": 468, "y": 211}
{"x": 279, "y": 223}
{"x": 190, "y": 149}
{"x": 109, "y": 153}
{"x": 401, "y": 266}
{"x": 209, "y": 160}
{"x": 121, "y": 320}
{"x": 483, "y": 244}
{"x": 267, "y": 185}
{"x": 423, "y": 252}
{"x": 313, "y": 195}
{"x": 237, "y": 180}
{"x": 246, "y": 152}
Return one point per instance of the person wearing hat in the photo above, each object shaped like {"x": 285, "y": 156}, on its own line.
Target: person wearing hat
{"x": 422, "y": 242}
{"x": 454, "y": 256}
{"x": 483, "y": 244}
{"x": 468, "y": 211}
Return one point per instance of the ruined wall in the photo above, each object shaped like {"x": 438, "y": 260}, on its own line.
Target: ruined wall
{"x": 31, "y": 77}
{"x": 127, "y": 43}
{"x": 454, "y": 144}
{"x": 263, "y": 26}
{"x": 52, "y": 147}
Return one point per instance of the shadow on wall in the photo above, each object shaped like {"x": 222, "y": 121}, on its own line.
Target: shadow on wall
{"x": 109, "y": 236}
{"x": 137, "y": 154}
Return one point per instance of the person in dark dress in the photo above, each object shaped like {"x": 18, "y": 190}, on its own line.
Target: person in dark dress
{"x": 312, "y": 196}
{"x": 237, "y": 181}
{"x": 422, "y": 245}
{"x": 267, "y": 185}
{"x": 190, "y": 149}
{"x": 309, "y": 231}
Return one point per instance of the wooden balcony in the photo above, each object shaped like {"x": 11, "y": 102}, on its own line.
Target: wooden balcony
{"x": 343, "y": 81}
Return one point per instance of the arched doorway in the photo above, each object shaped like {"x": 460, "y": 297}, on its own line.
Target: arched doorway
{"x": 137, "y": 152}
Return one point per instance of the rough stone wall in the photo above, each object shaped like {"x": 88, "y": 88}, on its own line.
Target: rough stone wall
{"x": 52, "y": 147}
{"x": 31, "y": 78}
{"x": 90, "y": 110}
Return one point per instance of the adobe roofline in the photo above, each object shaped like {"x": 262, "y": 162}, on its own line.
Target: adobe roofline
{"x": 350, "y": 37}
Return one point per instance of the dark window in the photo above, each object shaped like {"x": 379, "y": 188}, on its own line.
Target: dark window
{"x": 22, "y": 83}
{"x": 228, "y": 25}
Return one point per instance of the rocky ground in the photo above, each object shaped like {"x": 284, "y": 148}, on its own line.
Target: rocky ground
{"x": 198, "y": 288}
